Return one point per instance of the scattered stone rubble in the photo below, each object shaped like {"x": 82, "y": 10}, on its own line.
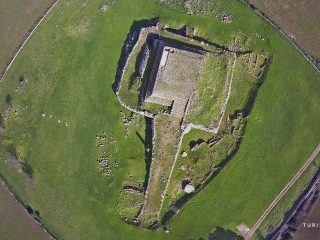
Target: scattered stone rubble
{"x": 142, "y": 64}
{"x": 105, "y": 166}
{"x": 105, "y": 6}
{"x": 226, "y": 17}
{"x": 209, "y": 8}
{"x": 104, "y": 142}
{"x": 21, "y": 85}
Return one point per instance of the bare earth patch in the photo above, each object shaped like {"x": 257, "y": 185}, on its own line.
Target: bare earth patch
{"x": 299, "y": 19}
{"x": 16, "y": 223}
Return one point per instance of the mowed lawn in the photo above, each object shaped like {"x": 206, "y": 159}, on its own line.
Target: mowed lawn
{"x": 70, "y": 64}
{"x": 16, "y": 19}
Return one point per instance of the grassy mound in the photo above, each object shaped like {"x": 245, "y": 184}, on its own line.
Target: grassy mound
{"x": 130, "y": 203}
{"x": 205, "y": 108}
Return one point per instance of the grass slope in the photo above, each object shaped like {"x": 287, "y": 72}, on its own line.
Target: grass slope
{"x": 70, "y": 71}
{"x": 205, "y": 108}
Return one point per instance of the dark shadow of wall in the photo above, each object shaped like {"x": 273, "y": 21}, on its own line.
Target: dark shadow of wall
{"x": 128, "y": 45}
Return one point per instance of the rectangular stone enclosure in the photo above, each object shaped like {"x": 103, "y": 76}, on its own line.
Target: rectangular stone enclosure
{"x": 174, "y": 74}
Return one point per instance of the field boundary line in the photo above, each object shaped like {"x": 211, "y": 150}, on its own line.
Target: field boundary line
{"x": 7, "y": 68}
{"x": 312, "y": 185}
{"x": 39, "y": 21}
{"x": 11, "y": 191}
{"x": 258, "y": 223}
{"x": 268, "y": 19}
{"x": 2, "y": 77}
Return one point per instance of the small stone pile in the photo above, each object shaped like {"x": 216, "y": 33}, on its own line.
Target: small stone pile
{"x": 126, "y": 121}
{"x": 105, "y": 166}
{"x": 104, "y": 144}
{"x": 104, "y": 7}
{"x": 21, "y": 85}
{"x": 184, "y": 154}
{"x": 226, "y": 18}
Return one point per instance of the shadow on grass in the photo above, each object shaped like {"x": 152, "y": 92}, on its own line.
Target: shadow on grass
{"x": 182, "y": 32}
{"x": 148, "y": 149}
{"x": 183, "y": 45}
{"x": 128, "y": 45}
{"x": 223, "y": 234}
{"x": 219, "y": 233}
{"x": 149, "y": 66}
{"x": 1, "y": 125}
{"x": 250, "y": 103}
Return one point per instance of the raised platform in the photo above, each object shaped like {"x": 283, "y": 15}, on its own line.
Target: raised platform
{"x": 175, "y": 73}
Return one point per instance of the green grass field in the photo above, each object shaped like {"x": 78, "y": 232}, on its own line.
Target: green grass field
{"x": 70, "y": 64}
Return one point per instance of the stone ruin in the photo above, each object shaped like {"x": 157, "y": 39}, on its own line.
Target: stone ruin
{"x": 174, "y": 75}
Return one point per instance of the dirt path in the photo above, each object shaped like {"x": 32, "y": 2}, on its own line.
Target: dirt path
{"x": 26, "y": 40}
{"x": 312, "y": 157}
